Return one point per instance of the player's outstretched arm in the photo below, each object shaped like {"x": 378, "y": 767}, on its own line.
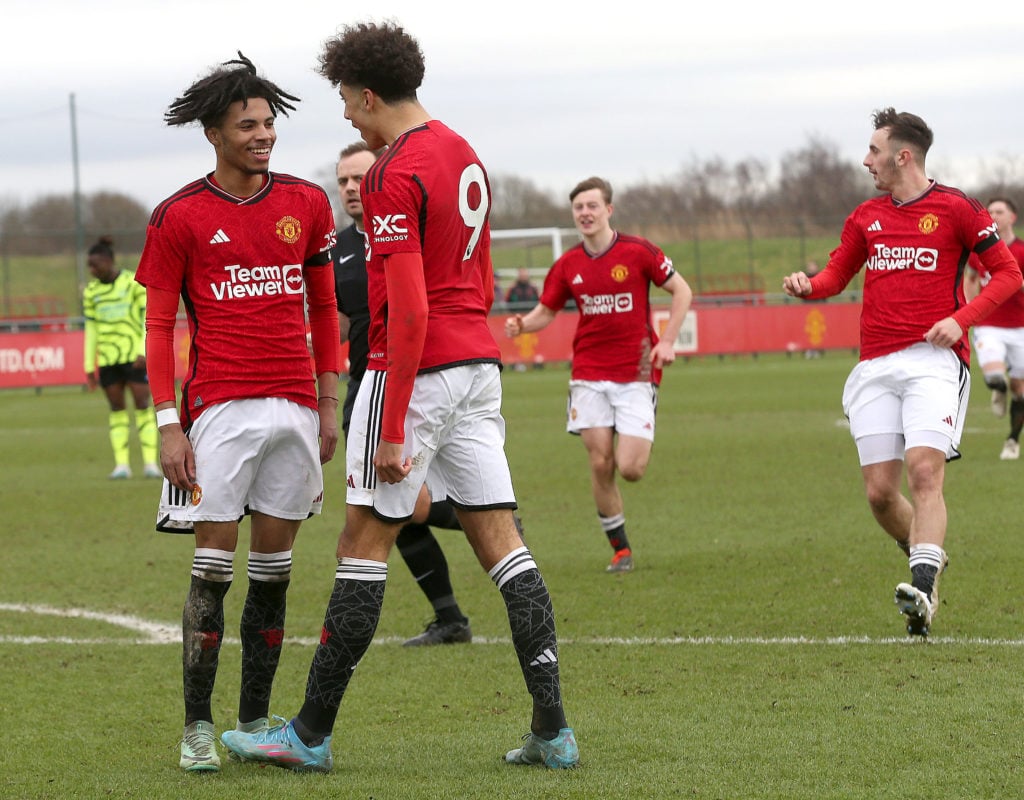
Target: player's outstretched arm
{"x": 537, "y": 319}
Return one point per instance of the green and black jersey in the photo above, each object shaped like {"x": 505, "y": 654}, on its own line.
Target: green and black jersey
{"x": 115, "y": 321}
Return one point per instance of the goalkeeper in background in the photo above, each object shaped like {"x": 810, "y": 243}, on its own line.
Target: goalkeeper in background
{"x": 115, "y": 313}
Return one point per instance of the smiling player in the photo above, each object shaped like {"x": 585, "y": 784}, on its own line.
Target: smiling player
{"x": 617, "y": 358}
{"x": 246, "y": 249}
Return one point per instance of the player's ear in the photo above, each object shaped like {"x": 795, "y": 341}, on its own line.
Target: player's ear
{"x": 212, "y": 135}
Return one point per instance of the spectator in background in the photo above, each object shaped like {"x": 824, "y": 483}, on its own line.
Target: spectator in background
{"x": 1000, "y": 341}
{"x": 522, "y": 295}
{"x": 617, "y": 357}
{"x": 416, "y": 542}
{"x": 907, "y": 397}
{"x": 114, "y": 306}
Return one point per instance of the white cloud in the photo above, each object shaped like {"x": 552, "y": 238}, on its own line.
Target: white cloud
{"x": 546, "y": 91}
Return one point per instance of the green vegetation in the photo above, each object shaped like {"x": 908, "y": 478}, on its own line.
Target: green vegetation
{"x": 29, "y": 282}
{"x": 707, "y": 265}
{"x": 755, "y": 653}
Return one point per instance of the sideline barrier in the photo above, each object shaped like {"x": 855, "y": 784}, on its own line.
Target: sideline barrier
{"x": 54, "y": 358}
{"x": 710, "y": 331}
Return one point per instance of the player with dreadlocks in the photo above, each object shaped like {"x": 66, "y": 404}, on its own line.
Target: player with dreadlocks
{"x": 246, "y": 250}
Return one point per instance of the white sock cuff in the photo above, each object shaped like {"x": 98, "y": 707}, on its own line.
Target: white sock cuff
{"x": 213, "y": 565}
{"x": 361, "y": 569}
{"x": 930, "y": 554}
{"x": 515, "y": 563}
{"x": 611, "y": 523}
{"x": 270, "y": 567}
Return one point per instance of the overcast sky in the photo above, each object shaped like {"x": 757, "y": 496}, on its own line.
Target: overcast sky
{"x": 549, "y": 91}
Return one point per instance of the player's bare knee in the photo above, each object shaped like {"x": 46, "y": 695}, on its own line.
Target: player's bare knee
{"x": 881, "y": 497}
{"x": 632, "y": 472}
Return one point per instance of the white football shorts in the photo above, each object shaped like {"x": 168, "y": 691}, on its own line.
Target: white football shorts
{"x": 260, "y": 454}
{"x": 454, "y": 433}
{"x": 915, "y": 397}
{"x": 629, "y": 408}
{"x": 1005, "y": 345}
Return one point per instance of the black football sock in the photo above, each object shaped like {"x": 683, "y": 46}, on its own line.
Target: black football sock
{"x": 532, "y": 622}
{"x": 996, "y": 382}
{"x": 1016, "y": 417}
{"x": 425, "y": 559}
{"x": 615, "y": 529}
{"x": 925, "y": 562}
{"x": 262, "y": 633}
{"x": 442, "y": 515}
{"x": 202, "y": 628}
{"x": 349, "y": 624}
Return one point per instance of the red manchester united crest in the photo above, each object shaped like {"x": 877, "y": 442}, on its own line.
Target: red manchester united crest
{"x": 289, "y": 230}
{"x": 620, "y": 272}
{"x": 929, "y": 223}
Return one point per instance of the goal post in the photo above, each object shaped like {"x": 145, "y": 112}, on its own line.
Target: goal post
{"x": 533, "y": 248}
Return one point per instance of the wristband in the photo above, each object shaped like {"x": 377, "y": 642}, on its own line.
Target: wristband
{"x": 166, "y": 416}
{"x": 328, "y": 397}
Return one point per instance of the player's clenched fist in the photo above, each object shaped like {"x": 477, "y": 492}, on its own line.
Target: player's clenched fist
{"x": 797, "y": 284}
{"x": 514, "y": 325}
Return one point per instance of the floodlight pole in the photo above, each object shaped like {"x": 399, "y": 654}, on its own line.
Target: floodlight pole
{"x": 79, "y": 233}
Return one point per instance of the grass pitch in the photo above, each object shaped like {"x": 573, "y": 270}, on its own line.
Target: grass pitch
{"x": 755, "y": 653}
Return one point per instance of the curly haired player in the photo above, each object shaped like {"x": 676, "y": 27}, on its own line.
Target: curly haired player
{"x": 430, "y": 284}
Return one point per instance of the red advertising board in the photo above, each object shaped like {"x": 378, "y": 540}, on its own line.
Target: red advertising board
{"x": 45, "y": 358}
{"x": 711, "y": 330}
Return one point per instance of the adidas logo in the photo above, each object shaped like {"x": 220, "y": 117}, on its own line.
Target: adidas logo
{"x": 547, "y": 657}
{"x": 577, "y": 280}
{"x": 948, "y": 421}
{"x": 219, "y": 237}
{"x": 875, "y": 226}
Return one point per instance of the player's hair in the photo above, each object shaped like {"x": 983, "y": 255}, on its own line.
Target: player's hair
{"x": 352, "y": 149}
{"x": 905, "y": 127}
{"x": 382, "y": 58}
{"x": 593, "y": 183}
{"x": 104, "y": 247}
{"x": 359, "y": 147}
{"x": 1006, "y": 201}
{"x": 207, "y": 100}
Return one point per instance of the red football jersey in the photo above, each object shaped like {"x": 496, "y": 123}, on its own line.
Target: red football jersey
{"x": 614, "y": 336}
{"x": 914, "y": 255}
{"x": 238, "y": 265}
{"x": 429, "y": 194}
{"x": 1011, "y": 313}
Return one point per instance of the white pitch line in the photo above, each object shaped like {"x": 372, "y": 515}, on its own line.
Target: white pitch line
{"x": 154, "y": 632}
{"x": 162, "y": 633}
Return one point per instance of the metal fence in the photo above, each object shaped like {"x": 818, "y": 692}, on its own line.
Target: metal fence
{"x": 42, "y": 273}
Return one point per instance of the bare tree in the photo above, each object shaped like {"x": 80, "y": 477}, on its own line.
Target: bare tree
{"x": 1005, "y": 178}
{"x": 118, "y": 215}
{"x": 816, "y": 186}
{"x": 44, "y": 227}
{"x": 518, "y": 203}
